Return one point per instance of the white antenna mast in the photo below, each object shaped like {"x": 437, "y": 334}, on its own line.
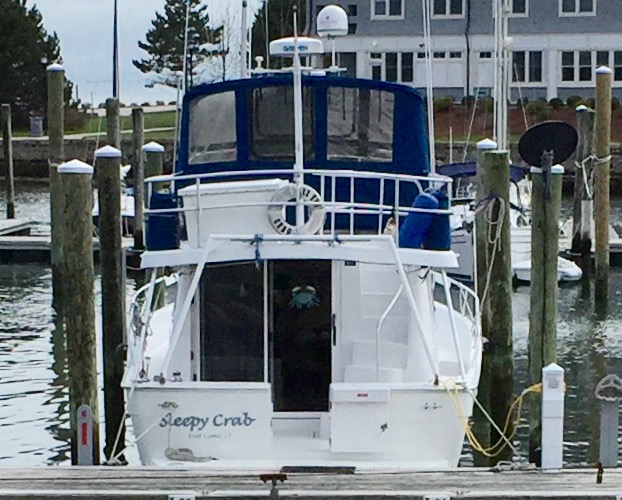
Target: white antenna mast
{"x": 298, "y": 130}
{"x": 427, "y": 40}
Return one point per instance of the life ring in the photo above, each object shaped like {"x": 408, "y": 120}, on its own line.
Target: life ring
{"x": 310, "y": 197}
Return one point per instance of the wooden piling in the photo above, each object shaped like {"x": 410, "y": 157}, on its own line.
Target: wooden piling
{"x": 7, "y": 143}
{"x": 56, "y": 156}
{"x": 499, "y": 349}
{"x": 154, "y": 159}
{"x": 481, "y": 425}
{"x": 79, "y": 300}
{"x": 108, "y": 164}
{"x": 113, "y": 124}
{"x": 602, "y": 150}
{"x": 582, "y": 204}
{"x": 138, "y": 166}
{"x": 545, "y": 212}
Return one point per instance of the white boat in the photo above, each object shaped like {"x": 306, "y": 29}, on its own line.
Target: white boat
{"x": 304, "y": 332}
{"x": 463, "y": 218}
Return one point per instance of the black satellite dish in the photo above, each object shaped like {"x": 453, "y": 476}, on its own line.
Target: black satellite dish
{"x": 559, "y": 137}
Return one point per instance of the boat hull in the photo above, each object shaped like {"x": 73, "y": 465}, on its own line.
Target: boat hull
{"x": 232, "y": 425}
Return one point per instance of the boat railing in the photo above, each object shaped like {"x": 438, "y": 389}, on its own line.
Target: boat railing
{"x": 341, "y": 193}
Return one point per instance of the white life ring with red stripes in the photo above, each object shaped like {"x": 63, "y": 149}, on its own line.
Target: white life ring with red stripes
{"x": 310, "y": 198}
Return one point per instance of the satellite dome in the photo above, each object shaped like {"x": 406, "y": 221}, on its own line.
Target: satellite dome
{"x": 332, "y": 21}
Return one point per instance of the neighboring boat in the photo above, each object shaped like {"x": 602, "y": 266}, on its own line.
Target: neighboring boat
{"x": 314, "y": 323}
{"x": 463, "y": 218}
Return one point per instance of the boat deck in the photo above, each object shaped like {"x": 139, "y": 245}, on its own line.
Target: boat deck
{"x": 151, "y": 483}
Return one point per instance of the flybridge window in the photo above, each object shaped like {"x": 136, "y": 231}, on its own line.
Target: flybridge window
{"x": 212, "y": 129}
{"x": 360, "y": 124}
{"x": 272, "y": 123}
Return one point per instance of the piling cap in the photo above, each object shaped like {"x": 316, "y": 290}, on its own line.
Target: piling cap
{"x": 486, "y": 144}
{"x": 55, "y": 68}
{"x": 557, "y": 169}
{"x": 75, "y": 167}
{"x": 108, "y": 152}
{"x": 153, "y": 147}
{"x": 581, "y": 108}
{"x": 603, "y": 70}
{"x": 552, "y": 368}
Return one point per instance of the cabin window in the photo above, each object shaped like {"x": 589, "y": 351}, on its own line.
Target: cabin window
{"x": 272, "y": 123}
{"x": 232, "y": 325}
{"x": 212, "y": 129}
{"x": 360, "y": 124}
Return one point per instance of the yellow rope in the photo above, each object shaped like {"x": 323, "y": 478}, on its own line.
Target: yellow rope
{"x": 500, "y": 445}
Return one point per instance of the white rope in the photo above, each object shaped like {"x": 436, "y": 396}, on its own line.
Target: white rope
{"x": 493, "y": 236}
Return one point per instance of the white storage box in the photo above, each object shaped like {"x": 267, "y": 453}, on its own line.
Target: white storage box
{"x": 359, "y": 419}
{"x": 238, "y": 207}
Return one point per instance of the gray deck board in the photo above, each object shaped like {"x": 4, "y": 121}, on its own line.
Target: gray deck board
{"x": 151, "y": 483}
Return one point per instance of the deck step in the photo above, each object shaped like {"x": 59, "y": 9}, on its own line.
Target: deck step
{"x": 390, "y": 354}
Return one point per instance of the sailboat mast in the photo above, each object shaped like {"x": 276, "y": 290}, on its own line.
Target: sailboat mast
{"x": 115, "y": 53}
{"x": 502, "y": 74}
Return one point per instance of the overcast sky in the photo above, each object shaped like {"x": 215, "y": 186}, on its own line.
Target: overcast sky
{"x": 85, "y": 31}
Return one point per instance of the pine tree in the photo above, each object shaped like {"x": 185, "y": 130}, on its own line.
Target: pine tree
{"x": 165, "y": 40}
{"x": 26, "y": 49}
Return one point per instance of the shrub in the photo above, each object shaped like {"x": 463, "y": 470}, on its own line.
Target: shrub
{"x": 522, "y": 101}
{"x": 574, "y": 100}
{"x": 468, "y": 101}
{"x": 172, "y": 103}
{"x": 538, "y": 109}
{"x": 443, "y": 104}
{"x": 615, "y": 103}
{"x": 488, "y": 103}
{"x": 145, "y": 104}
{"x": 159, "y": 103}
{"x": 556, "y": 103}
{"x": 75, "y": 120}
{"x": 590, "y": 103}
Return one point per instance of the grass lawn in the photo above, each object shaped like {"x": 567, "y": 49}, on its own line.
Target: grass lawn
{"x": 152, "y": 120}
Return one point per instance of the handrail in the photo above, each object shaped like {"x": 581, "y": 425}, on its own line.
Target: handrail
{"x": 413, "y": 306}
{"x": 452, "y": 323}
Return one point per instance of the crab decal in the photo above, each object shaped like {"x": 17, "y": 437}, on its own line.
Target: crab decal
{"x": 304, "y": 297}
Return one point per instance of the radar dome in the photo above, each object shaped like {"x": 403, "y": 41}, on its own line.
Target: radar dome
{"x": 332, "y": 21}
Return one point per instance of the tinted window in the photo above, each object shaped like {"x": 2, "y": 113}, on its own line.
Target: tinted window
{"x": 212, "y": 129}
{"x": 360, "y": 124}
{"x": 272, "y": 123}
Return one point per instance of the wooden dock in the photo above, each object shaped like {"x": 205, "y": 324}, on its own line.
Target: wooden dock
{"x": 132, "y": 483}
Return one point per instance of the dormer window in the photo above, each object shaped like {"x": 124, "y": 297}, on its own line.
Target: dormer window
{"x": 448, "y": 8}
{"x": 577, "y": 7}
{"x": 387, "y": 9}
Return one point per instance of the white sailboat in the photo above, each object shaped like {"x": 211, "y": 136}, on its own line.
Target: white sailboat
{"x": 304, "y": 331}
{"x": 463, "y": 237}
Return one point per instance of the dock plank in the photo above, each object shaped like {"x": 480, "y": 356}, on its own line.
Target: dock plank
{"x": 157, "y": 483}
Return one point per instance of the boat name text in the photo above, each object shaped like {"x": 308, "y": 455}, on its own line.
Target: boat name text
{"x": 195, "y": 423}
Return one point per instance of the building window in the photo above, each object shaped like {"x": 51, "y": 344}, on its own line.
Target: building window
{"x": 352, "y": 29}
{"x": 535, "y": 66}
{"x": 407, "y": 67}
{"x": 617, "y": 65}
{"x": 577, "y": 7}
{"x": 485, "y": 55}
{"x": 387, "y": 9}
{"x": 353, "y": 10}
{"x": 455, "y": 55}
{"x": 585, "y": 66}
{"x": 420, "y": 55}
{"x": 602, "y": 58}
{"x": 567, "y": 66}
{"x": 445, "y": 8}
{"x": 518, "y": 7}
{"x": 439, "y": 55}
{"x": 518, "y": 66}
{"x": 391, "y": 66}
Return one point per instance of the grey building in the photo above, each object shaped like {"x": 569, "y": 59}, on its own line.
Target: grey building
{"x": 555, "y": 45}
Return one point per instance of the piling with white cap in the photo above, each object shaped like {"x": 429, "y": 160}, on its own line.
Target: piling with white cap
{"x": 79, "y": 306}
{"x": 552, "y": 418}
{"x": 112, "y": 259}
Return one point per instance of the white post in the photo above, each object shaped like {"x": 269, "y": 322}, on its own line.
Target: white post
{"x": 244, "y": 42}
{"x": 298, "y": 130}
{"x": 552, "y": 418}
